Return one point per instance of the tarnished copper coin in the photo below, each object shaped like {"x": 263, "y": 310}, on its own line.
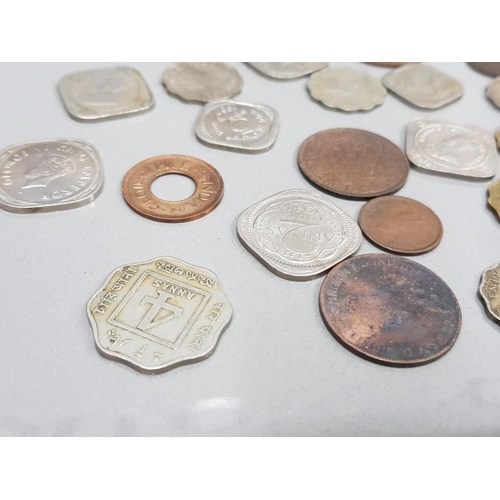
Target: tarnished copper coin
{"x": 486, "y": 68}
{"x": 136, "y": 188}
{"x": 401, "y": 224}
{"x": 353, "y": 162}
{"x": 390, "y": 309}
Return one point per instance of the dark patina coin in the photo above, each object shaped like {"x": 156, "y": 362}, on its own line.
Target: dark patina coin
{"x": 486, "y": 68}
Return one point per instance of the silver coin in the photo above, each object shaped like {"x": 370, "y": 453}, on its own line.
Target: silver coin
{"x": 347, "y": 89}
{"x": 298, "y": 233}
{"x": 158, "y": 314}
{"x": 493, "y": 91}
{"x": 202, "y": 81}
{"x": 423, "y": 86}
{"x": 104, "y": 93}
{"x": 287, "y": 70}
{"x": 238, "y": 125}
{"x": 451, "y": 148}
{"x": 490, "y": 289}
{"x": 49, "y": 175}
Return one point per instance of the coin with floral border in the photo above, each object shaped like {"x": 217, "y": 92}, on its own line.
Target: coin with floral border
{"x": 288, "y": 70}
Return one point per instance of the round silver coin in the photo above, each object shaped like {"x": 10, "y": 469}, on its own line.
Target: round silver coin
{"x": 202, "y": 81}
{"x": 298, "y": 233}
{"x": 238, "y": 125}
{"x": 158, "y": 314}
{"x": 49, "y": 175}
{"x": 287, "y": 70}
{"x": 493, "y": 91}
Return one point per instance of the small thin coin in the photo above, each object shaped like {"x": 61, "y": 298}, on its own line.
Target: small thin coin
{"x": 159, "y": 314}
{"x": 390, "y": 309}
{"x": 353, "y": 162}
{"x": 494, "y": 196}
{"x": 493, "y": 91}
{"x": 288, "y": 70}
{"x": 401, "y": 224}
{"x": 136, "y": 188}
{"x": 486, "y": 68}
{"x": 490, "y": 289}
{"x": 202, "y": 81}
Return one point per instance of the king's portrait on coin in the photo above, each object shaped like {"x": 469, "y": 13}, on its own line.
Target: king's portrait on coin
{"x": 42, "y": 173}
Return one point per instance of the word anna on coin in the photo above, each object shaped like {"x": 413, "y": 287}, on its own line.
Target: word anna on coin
{"x": 490, "y": 289}
{"x": 288, "y": 70}
{"x": 158, "y": 314}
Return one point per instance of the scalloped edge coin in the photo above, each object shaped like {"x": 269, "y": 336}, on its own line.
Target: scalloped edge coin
{"x": 489, "y": 289}
{"x": 287, "y": 70}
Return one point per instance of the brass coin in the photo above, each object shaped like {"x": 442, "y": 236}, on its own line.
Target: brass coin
{"x": 486, "y": 68}
{"x": 353, "y": 162}
{"x": 390, "y": 309}
{"x": 494, "y": 196}
{"x": 401, "y": 224}
{"x": 136, "y": 188}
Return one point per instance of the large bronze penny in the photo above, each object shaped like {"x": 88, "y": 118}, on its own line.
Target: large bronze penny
{"x": 390, "y": 309}
{"x": 400, "y": 224}
{"x": 136, "y": 188}
{"x": 353, "y": 162}
{"x": 486, "y": 68}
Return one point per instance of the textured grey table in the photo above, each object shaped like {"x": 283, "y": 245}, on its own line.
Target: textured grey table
{"x": 277, "y": 370}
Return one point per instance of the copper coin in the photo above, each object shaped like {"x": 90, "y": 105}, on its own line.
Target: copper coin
{"x": 486, "y": 68}
{"x": 353, "y": 162}
{"x": 136, "y": 188}
{"x": 390, "y": 309}
{"x": 400, "y": 224}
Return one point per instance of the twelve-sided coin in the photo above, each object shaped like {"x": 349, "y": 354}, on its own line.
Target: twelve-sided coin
{"x": 288, "y": 70}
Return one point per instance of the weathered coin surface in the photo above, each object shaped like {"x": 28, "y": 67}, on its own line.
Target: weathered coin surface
{"x": 298, "y": 233}
{"x": 487, "y": 68}
{"x": 287, "y": 70}
{"x": 202, "y": 81}
{"x": 493, "y": 91}
{"x": 353, "y": 162}
{"x": 105, "y": 92}
{"x": 390, "y": 309}
{"x": 347, "y": 89}
{"x": 136, "y": 188}
{"x": 49, "y": 175}
{"x": 494, "y": 196}
{"x": 238, "y": 125}
{"x": 158, "y": 314}
{"x": 450, "y": 148}
{"x": 490, "y": 289}
{"x": 423, "y": 86}
{"x": 401, "y": 224}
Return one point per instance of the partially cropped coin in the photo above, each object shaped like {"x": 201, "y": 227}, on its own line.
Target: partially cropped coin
{"x": 238, "y": 125}
{"x": 497, "y": 137}
{"x": 287, "y": 70}
{"x": 486, "y": 68}
{"x": 423, "y": 86}
{"x": 490, "y": 289}
{"x": 450, "y": 148}
{"x": 158, "y": 314}
{"x": 298, "y": 233}
{"x": 105, "y": 92}
{"x": 494, "y": 196}
{"x": 49, "y": 175}
{"x": 389, "y": 64}
{"x": 202, "y": 81}
{"x": 347, "y": 89}
{"x": 493, "y": 91}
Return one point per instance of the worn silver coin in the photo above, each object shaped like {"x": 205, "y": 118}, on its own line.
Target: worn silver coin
{"x": 105, "y": 92}
{"x": 238, "y": 125}
{"x": 298, "y": 233}
{"x": 493, "y": 91}
{"x": 288, "y": 70}
{"x": 159, "y": 314}
{"x": 49, "y": 175}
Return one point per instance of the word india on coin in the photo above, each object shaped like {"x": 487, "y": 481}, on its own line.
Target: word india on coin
{"x": 202, "y": 81}
{"x": 105, "y": 92}
{"x": 390, "y": 309}
{"x": 450, "y": 148}
{"x": 490, "y": 289}
{"x": 423, "y": 86}
{"x": 400, "y": 224}
{"x": 486, "y": 68}
{"x": 159, "y": 314}
{"x": 494, "y": 196}
{"x": 49, "y": 175}
{"x": 298, "y": 233}
{"x": 238, "y": 125}
{"x": 493, "y": 91}
{"x": 353, "y": 162}
{"x": 346, "y": 89}
{"x": 288, "y": 70}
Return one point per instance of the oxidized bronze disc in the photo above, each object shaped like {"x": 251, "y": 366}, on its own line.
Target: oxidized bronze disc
{"x": 136, "y": 188}
{"x": 353, "y": 162}
{"x": 390, "y": 309}
{"x": 486, "y": 68}
{"x": 400, "y": 224}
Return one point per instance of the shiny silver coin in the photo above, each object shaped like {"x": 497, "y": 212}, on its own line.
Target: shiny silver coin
{"x": 238, "y": 125}
{"x": 104, "y": 93}
{"x": 158, "y": 314}
{"x": 493, "y": 91}
{"x": 287, "y": 70}
{"x": 202, "y": 81}
{"x": 49, "y": 175}
{"x": 298, "y": 233}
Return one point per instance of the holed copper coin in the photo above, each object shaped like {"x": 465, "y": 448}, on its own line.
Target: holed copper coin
{"x": 486, "y": 68}
{"x": 390, "y": 309}
{"x": 353, "y": 162}
{"x": 136, "y": 188}
{"x": 400, "y": 224}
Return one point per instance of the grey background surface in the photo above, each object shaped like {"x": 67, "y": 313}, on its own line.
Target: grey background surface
{"x": 277, "y": 370}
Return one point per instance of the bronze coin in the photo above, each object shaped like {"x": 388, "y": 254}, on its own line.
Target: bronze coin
{"x": 390, "y": 309}
{"x": 136, "y": 188}
{"x": 486, "y": 68}
{"x": 400, "y": 224}
{"x": 353, "y": 162}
